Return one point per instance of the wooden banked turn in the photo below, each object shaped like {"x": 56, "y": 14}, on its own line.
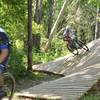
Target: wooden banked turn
{"x": 81, "y": 73}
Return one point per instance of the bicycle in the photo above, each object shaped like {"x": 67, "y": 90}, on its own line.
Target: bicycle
{"x": 74, "y": 45}
{"x": 9, "y": 85}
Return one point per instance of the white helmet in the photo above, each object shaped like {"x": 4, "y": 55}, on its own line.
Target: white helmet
{"x": 66, "y": 31}
{"x": 3, "y": 35}
{"x": 68, "y": 27}
{"x": 2, "y": 30}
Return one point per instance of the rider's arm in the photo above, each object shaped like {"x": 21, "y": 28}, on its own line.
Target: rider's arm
{"x": 4, "y": 52}
{"x": 3, "y": 55}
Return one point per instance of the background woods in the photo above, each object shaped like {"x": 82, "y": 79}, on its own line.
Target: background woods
{"x": 24, "y": 19}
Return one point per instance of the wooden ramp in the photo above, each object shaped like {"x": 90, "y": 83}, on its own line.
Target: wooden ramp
{"x": 64, "y": 65}
{"x": 80, "y": 76}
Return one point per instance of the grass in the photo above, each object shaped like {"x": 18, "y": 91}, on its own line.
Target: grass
{"x": 40, "y": 76}
{"x": 92, "y": 97}
{"x": 94, "y": 93}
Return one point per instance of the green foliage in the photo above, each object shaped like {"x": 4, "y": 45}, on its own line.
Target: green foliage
{"x": 17, "y": 63}
{"x": 13, "y": 15}
{"x": 94, "y": 2}
{"x": 82, "y": 15}
{"x": 58, "y": 49}
{"x": 91, "y": 97}
{"x": 37, "y": 28}
{"x": 58, "y": 6}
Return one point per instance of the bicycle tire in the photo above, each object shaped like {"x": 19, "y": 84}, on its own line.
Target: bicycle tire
{"x": 10, "y": 77}
{"x": 83, "y": 45}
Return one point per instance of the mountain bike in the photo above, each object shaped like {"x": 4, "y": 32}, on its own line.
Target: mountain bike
{"x": 9, "y": 85}
{"x": 74, "y": 45}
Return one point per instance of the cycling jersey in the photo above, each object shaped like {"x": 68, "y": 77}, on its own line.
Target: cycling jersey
{"x": 4, "y": 44}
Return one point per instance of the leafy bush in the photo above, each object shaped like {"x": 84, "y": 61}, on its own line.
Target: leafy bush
{"x": 58, "y": 49}
{"x": 91, "y": 97}
{"x": 17, "y": 63}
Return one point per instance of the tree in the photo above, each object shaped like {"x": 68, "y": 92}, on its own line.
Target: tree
{"x": 55, "y": 25}
{"x": 38, "y": 12}
{"x": 29, "y": 35}
{"x": 50, "y": 12}
{"x": 97, "y": 29}
{"x": 97, "y": 25}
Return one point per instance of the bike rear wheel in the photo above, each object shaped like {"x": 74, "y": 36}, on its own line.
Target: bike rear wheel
{"x": 9, "y": 85}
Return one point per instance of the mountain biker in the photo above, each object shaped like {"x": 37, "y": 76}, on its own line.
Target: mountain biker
{"x": 4, "y": 54}
{"x": 69, "y": 32}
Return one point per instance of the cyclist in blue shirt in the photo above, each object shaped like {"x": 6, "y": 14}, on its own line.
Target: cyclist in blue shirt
{"x": 4, "y": 54}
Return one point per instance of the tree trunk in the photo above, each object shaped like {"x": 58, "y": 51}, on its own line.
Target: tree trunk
{"x": 50, "y": 16}
{"x": 36, "y": 41}
{"x": 97, "y": 29}
{"x": 38, "y": 11}
{"x": 55, "y": 26}
{"x": 41, "y": 10}
{"x": 29, "y": 35}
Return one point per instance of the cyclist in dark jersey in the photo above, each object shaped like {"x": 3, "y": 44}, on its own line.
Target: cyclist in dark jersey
{"x": 69, "y": 32}
{"x": 4, "y": 54}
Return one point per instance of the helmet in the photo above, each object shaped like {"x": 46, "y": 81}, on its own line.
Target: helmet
{"x": 68, "y": 27}
{"x": 3, "y": 35}
{"x": 66, "y": 31}
{"x": 2, "y": 30}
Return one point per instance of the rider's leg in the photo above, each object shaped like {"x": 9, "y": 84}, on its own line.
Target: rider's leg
{"x": 1, "y": 80}
{"x": 1, "y": 76}
{"x": 2, "y": 92}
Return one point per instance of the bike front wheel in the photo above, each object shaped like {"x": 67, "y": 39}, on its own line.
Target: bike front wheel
{"x": 83, "y": 45}
{"x": 9, "y": 85}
